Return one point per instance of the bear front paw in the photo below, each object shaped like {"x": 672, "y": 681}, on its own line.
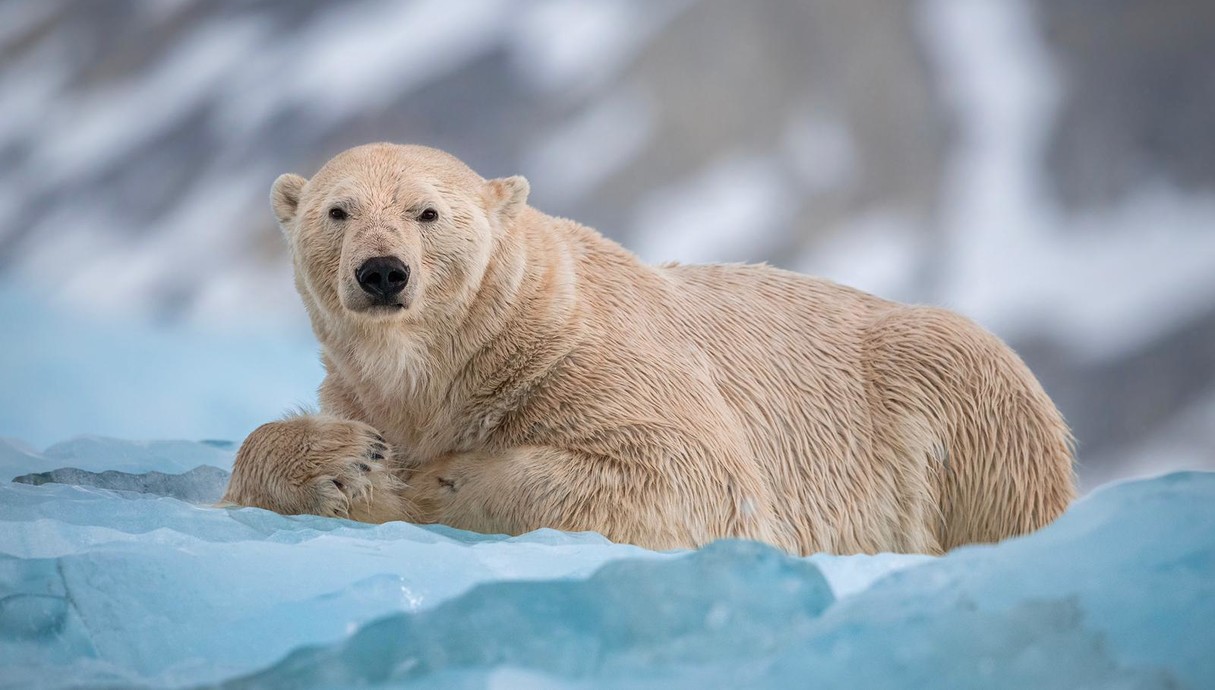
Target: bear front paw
{"x": 321, "y": 466}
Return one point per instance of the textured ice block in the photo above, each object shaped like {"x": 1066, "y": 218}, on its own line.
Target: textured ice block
{"x": 119, "y": 588}
{"x": 1119, "y": 593}
{"x": 147, "y": 589}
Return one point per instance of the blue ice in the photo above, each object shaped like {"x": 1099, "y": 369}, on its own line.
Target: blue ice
{"x": 119, "y": 588}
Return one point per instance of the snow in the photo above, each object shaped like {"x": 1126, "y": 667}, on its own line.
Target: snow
{"x": 822, "y": 152}
{"x": 125, "y": 588}
{"x": 1015, "y": 261}
{"x": 737, "y": 207}
{"x": 85, "y": 144}
{"x": 874, "y": 250}
{"x": 573, "y": 48}
{"x": 345, "y": 58}
{"x": 607, "y": 135}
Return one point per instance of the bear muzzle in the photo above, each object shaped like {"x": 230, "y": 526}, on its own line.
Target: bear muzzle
{"x": 383, "y": 278}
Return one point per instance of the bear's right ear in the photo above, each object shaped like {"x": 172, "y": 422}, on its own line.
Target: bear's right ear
{"x": 285, "y": 197}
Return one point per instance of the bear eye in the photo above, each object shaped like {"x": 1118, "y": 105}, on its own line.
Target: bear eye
{"x": 428, "y": 216}
{"x": 337, "y": 213}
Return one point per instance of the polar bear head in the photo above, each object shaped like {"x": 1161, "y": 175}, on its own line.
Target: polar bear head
{"x": 387, "y": 233}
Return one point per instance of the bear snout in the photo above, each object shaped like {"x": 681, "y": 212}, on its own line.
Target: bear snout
{"x": 382, "y": 277}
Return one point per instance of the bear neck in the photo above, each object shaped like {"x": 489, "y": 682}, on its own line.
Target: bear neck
{"x": 524, "y": 322}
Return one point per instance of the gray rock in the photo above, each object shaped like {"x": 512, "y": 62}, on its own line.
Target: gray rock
{"x": 203, "y": 484}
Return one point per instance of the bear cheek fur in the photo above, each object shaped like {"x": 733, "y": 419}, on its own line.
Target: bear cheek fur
{"x": 318, "y": 256}
{"x": 455, "y": 255}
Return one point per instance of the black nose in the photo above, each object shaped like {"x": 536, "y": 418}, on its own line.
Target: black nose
{"x": 383, "y": 276}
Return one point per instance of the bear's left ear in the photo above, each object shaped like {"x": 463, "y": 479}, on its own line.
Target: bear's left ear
{"x": 506, "y": 196}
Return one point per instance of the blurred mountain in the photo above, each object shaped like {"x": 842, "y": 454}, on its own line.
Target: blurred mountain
{"x": 1045, "y": 167}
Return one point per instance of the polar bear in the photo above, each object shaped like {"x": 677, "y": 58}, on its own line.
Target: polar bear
{"x": 497, "y": 369}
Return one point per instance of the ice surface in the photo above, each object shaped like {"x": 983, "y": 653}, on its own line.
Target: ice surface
{"x": 1119, "y": 593}
{"x": 134, "y": 380}
{"x": 159, "y": 591}
{"x": 98, "y": 586}
{"x": 98, "y": 454}
{"x": 728, "y": 602}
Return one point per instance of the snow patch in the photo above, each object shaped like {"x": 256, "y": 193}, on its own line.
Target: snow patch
{"x": 1015, "y": 261}
{"x": 590, "y": 147}
{"x": 736, "y": 209}
{"x": 878, "y": 252}
{"x": 576, "y": 47}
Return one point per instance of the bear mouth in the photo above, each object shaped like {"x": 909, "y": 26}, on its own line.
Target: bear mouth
{"x": 388, "y": 303}
{"x": 384, "y": 307}
{"x": 358, "y": 303}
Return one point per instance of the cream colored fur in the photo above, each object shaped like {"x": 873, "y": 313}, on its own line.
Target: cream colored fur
{"x": 539, "y": 375}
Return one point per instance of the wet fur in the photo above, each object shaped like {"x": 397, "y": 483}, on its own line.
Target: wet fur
{"x": 543, "y": 376}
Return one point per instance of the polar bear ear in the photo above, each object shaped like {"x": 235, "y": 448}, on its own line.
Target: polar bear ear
{"x": 507, "y": 196}
{"x": 285, "y": 197}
